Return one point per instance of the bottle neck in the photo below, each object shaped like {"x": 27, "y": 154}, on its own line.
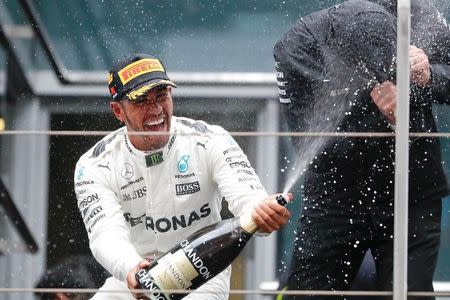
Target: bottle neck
{"x": 247, "y": 223}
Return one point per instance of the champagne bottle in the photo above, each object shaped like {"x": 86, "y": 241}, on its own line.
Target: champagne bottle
{"x": 198, "y": 258}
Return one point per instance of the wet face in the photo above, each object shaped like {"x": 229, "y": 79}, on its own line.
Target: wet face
{"x": 151, "y": 114}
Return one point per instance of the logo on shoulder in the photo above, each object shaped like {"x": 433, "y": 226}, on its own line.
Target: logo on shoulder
{"x": 105, "y": 166}
{"x": 231, "y": 141}
{"x": 285, "y": 100}
{"x": 80, "y": 174}
{"x": 88, "y": 201}
{"x": 202, "y": 145}
{"x": 81, "y": 183}
{"x": 232, "y": 149}
{"x": 183, "y": 165}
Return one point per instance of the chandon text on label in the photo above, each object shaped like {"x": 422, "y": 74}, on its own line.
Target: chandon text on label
{"x": 195, "y": 259}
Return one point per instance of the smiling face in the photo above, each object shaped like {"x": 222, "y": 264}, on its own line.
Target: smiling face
{"x": 151, "y": 114}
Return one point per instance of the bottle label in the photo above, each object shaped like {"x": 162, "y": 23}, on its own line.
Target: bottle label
{"x": 173, "y": 271}
{"x": 247, "y": 223}
{"x": 146, "y": 281}
{"x": 195, "y": 260}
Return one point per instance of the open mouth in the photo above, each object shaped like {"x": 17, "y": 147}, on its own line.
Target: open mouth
{"x": 155, "y": 125}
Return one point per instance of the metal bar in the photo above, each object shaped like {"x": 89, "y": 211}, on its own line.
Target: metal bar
{"x": 19, "y": 72}
{"x": 188, "y": 78}
{"x": 234, "y": 133}
{"x": 25, "y": 290}
{"x": 67, "y": 78}
{"x": 185, "y": 292}
{"x": 400, "y": 284}
{"x": 265, "y": 250}
{"x": 19, "y": 290}
{"x": 13, "y": 213}
{"x": 41, "y": 34}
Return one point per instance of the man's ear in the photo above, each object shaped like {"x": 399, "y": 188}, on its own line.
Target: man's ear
{"x": 117, "y": 110}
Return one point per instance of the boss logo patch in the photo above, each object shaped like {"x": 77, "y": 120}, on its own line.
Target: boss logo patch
{"x": 187, "y": 188}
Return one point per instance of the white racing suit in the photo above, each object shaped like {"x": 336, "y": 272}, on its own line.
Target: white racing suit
{"x": 138, "y": 204}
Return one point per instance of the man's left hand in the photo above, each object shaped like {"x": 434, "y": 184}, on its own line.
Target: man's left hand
{"x": 420, "y": 66}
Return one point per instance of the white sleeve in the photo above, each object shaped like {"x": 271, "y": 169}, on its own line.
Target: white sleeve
{"x": 236, "y": 178}
{"x": 100, "y": 208}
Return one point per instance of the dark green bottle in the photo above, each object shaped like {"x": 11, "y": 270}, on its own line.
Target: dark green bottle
{"x": 198, "y": 258}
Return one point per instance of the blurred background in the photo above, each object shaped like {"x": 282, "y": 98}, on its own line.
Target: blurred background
{"x": 53, "y": 60}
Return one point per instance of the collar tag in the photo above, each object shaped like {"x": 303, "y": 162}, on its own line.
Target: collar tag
{"x": 154, "y": 159}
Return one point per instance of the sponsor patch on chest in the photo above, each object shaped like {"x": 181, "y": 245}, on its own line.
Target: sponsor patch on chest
{"x": 187, "y": 188}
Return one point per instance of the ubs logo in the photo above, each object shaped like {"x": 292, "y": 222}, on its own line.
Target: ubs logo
{"x": 127, "y": 171}
{"x": 183, "y": 165}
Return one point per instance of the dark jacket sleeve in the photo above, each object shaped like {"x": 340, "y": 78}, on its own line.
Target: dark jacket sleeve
{"x": 440, "y": 83}
{"x": 299, "y": 67}
{"x": 431, "y": 33}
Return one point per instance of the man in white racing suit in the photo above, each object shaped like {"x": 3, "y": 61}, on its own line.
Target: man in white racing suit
{"x": 140, "y": 192}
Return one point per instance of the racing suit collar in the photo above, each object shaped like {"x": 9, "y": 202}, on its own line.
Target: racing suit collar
{"x": 153, "y": 157}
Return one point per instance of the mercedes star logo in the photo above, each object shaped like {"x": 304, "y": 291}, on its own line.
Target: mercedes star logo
{"x": 127, "y": 171}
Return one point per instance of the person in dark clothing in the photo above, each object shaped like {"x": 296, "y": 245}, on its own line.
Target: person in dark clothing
{"x": 336, "y": 72}
{"x": 74, "y": 272}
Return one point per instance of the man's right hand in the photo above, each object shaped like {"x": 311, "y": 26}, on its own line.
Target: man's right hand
{"x": 384, "y": 96}
{"x": 131, "y": 278}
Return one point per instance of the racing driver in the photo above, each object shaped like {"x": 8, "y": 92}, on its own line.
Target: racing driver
{"x": 140, "y": 193}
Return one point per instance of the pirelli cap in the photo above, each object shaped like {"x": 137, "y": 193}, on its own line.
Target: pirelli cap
{"x": 134, "y": 76}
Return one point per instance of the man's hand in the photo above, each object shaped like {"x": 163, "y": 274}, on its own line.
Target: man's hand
{"x": 131, "y": 279}
{"x": 384, "y": 96}
{"x": 420, "y": 66}
{"x": 269, "y": 215}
